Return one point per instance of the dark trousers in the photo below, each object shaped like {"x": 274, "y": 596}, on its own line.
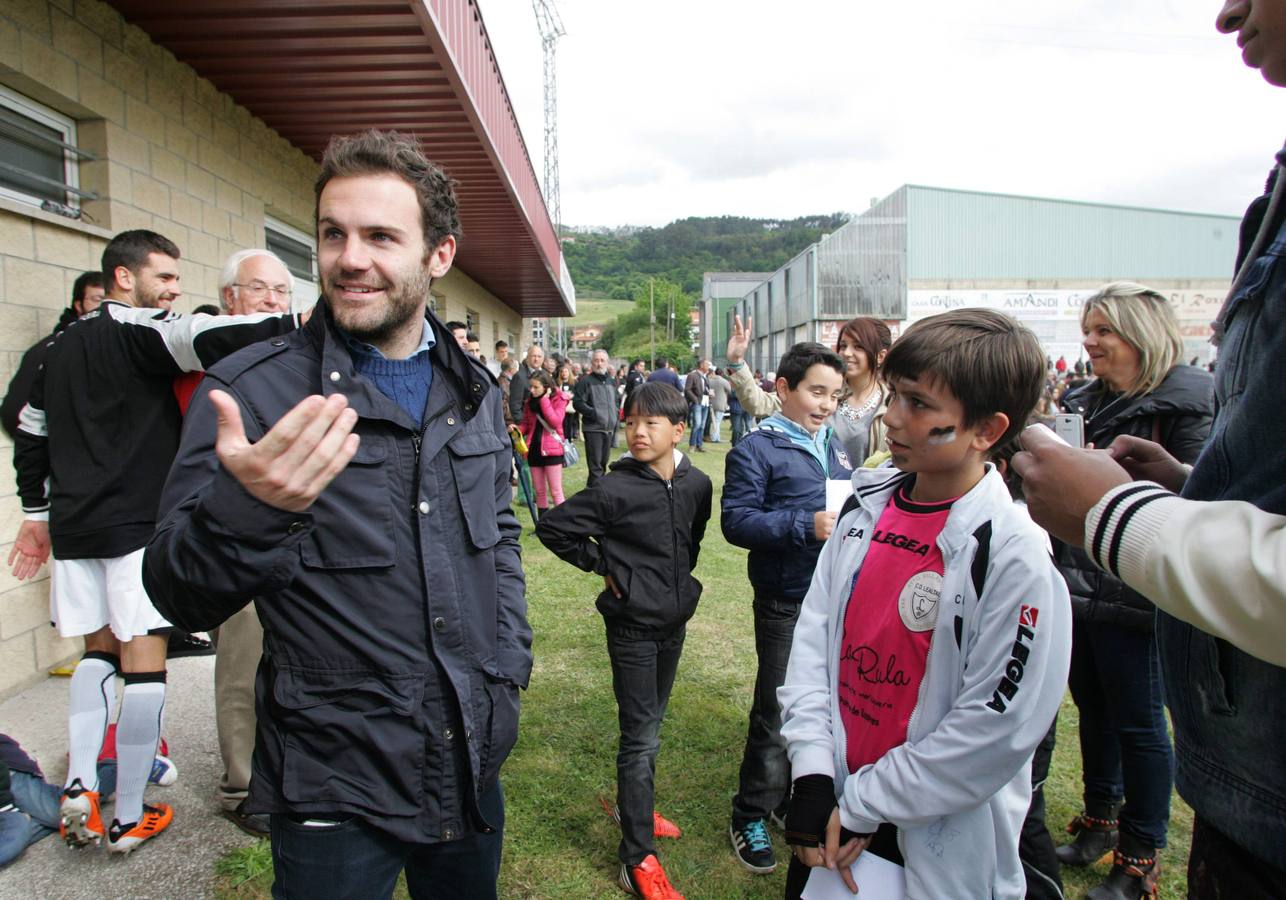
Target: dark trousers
{"x": 742, "y": 422}
{"x": 354, "y": 861}
{"x": 1035, "y": 846}
{"x": 642, "y": 676}
{"x": 1115, "y": 680}
{"x": 598, "y": 448}
{"x": 1219, "y": 869}
{"x": 765, "y": 771}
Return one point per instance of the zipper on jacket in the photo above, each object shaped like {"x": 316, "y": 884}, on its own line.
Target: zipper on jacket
{"x": 674, "y": 546}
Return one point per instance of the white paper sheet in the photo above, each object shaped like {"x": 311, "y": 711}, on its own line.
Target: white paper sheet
{"x": 836, "y": 493}
{"x": 876, "y": 877}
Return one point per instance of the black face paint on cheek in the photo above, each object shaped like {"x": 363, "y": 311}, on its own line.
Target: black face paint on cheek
{"x": 942, "y": 435}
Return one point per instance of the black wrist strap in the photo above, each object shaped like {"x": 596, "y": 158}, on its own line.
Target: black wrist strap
{"x": 811, "y": 801}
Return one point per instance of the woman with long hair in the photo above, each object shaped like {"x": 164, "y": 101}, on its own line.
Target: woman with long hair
{"x": 565, "y": 379}
{"x": 542, "y": 426}
{"x": 859, "y": 419}
{"x": 1140, "y": 388}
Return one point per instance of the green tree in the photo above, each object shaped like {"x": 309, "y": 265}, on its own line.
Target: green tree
{"x": 630, "y": 336}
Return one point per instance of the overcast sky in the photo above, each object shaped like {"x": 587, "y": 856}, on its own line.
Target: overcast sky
{"x": 670, "y": 109}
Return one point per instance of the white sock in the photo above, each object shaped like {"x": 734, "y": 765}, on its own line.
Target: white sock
{"x": 137, "y": 733}
{"x": 89, "y": 710}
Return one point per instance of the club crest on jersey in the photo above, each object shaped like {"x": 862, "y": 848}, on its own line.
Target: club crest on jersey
{"x": 919, "y": 600}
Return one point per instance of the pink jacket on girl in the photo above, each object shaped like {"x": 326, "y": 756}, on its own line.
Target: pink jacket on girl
{"x": 553, "y": 407}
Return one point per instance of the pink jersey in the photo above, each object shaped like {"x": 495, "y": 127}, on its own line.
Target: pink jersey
{"x": 888, "y": 627}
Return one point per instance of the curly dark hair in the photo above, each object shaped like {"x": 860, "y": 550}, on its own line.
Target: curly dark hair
{"x": 375, "y": 152}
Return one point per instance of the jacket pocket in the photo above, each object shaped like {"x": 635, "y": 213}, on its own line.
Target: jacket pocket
{"x": 473, "y": 467}
{"x": 502, "y": 727}
{"x": 353, "y": 517}
{"x": 351, "y": 739}
{"x": 1211, "y": 669}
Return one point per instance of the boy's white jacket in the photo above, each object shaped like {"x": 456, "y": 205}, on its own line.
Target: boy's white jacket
{"x": 959, "y": 788}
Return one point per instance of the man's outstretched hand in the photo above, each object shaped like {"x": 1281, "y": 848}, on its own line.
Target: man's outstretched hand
{"x": 292, "y": 464}
{"x": 30, "y": 549}
{"x": 739, "y": 340}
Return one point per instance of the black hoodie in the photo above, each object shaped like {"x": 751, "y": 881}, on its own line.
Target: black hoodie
{"x": 643, "y": 531}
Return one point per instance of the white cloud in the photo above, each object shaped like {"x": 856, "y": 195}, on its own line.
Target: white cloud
{"x": 670, "y": 109}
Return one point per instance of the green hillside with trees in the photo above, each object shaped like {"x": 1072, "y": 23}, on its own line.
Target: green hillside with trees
{"x": 616, "y": 264}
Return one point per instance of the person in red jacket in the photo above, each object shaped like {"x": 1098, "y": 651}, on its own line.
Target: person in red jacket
{"x": 542, "y": 426}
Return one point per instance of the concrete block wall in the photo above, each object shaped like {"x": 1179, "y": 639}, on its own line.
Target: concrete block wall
{"x": 174, "y": 155}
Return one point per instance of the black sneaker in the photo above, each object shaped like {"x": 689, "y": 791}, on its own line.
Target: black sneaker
{"x": 753, "y": 846}
{"x": 183, "y": 644}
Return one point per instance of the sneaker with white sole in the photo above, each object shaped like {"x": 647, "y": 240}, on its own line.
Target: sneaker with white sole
{"x": 164, "y": 772}
{"x": 753, "y": 847}
{"x": 647, "y": 880}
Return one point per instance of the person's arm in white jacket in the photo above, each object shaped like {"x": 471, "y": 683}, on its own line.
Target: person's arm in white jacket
{"x": 1022, "y": 627}
{"x": 754, "y": 399}
{"x": 1219, "y": 566}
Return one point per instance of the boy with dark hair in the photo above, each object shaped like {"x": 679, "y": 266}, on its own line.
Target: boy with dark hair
{"x": 620, "y": 529}
{"x": 774, "y": 504}
{"x": 933, "y": 646}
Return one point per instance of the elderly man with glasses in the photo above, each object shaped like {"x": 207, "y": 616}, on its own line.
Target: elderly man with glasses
{"x": 252, "y": 281}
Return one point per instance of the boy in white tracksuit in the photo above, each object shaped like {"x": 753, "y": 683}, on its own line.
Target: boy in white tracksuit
{"x": 932, "y": 648}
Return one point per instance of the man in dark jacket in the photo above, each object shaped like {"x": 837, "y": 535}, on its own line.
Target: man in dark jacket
{"x": 86, "y": 295}
{"x": 696, "y": 391}
{"x": 595, "y": 398}
{"x": 640, "y": 527}
{"x": 519, "y": 387}
{"x": 372, "y": 525}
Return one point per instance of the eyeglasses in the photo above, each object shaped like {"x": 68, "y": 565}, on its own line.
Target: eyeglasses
{"x": 258, "y": 289}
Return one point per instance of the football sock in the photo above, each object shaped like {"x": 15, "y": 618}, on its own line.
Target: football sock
{"x": 137, "y": 735}
{"x": 89, "y": 708}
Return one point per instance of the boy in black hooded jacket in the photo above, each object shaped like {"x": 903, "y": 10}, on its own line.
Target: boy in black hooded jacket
{"x": 640, "y": 527}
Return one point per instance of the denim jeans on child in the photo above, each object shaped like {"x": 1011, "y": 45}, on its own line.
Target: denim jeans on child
{"x": 1115, "y": 680}
{"x": 765, "y": 769}
{"x": 355, "y": 859}
{"x": 643, "y": 669}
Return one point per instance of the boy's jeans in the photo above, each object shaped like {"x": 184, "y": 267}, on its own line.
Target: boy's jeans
{"x": 642, "y": 674}
{"x": 765, "y": 770}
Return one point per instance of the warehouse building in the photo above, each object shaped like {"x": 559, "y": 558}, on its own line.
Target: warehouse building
{"x": 923, "y": 250}
{"x": 205, "y": 122}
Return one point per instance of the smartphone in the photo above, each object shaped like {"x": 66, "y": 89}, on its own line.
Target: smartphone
{"x": 1071, "y": 428}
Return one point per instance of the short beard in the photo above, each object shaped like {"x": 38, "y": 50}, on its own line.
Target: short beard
{"x": 404, "y": 304}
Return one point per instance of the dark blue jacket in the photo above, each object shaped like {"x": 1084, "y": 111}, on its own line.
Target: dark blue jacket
{"x": 1229, "y": 708}
{"x": 395, "y": 628}
{"x": 771, "y": 489}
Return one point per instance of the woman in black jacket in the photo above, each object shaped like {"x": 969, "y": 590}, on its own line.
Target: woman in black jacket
{"x": 1140, "y": 389}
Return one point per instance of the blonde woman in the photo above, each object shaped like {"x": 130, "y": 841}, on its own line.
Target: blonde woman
{"x": 1140, "y": 388}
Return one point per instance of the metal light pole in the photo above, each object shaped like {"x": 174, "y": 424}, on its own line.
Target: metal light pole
{"x": 651, "y": 301}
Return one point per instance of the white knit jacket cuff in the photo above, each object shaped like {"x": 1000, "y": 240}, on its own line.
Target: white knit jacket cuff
{"x": 1124, "y": 525}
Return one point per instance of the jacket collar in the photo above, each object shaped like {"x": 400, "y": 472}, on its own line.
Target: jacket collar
{"x": 681, "y": 464}
{"x": 467, "y": 379}
{"x": 874, "y": 488}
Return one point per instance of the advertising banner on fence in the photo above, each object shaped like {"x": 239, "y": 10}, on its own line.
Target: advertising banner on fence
{"x": 1055, "y": 315}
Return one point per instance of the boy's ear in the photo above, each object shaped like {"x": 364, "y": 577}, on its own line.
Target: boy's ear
{"x": 781, "y": 385}
{"x": 986, "y": 432}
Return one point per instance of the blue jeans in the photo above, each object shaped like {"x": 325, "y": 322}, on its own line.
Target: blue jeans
{"x": 697, "y": 415}
{"x": 355, "y": 860}
{"x": 716, "y": 423}
{"x": 643, "y": 672}
{"x": 742, "y": 422}
{"x": 765, "y": 769}
{"x": 39, "y": 809}
{"x": 1115, "y": 680}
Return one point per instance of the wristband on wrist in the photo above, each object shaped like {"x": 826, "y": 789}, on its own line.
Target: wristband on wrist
{"x": 811, "y": 802}
{"x": 736, "y": 365}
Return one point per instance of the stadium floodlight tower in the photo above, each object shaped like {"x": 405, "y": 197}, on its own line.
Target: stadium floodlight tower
{"x": 551, "y": 29}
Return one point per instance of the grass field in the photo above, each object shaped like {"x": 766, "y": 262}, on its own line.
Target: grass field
{"x": 558, "y": 842}
{"x": 598, "y": 311}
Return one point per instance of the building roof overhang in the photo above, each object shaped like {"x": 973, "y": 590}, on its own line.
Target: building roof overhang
{"x": 315, "y": 68}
